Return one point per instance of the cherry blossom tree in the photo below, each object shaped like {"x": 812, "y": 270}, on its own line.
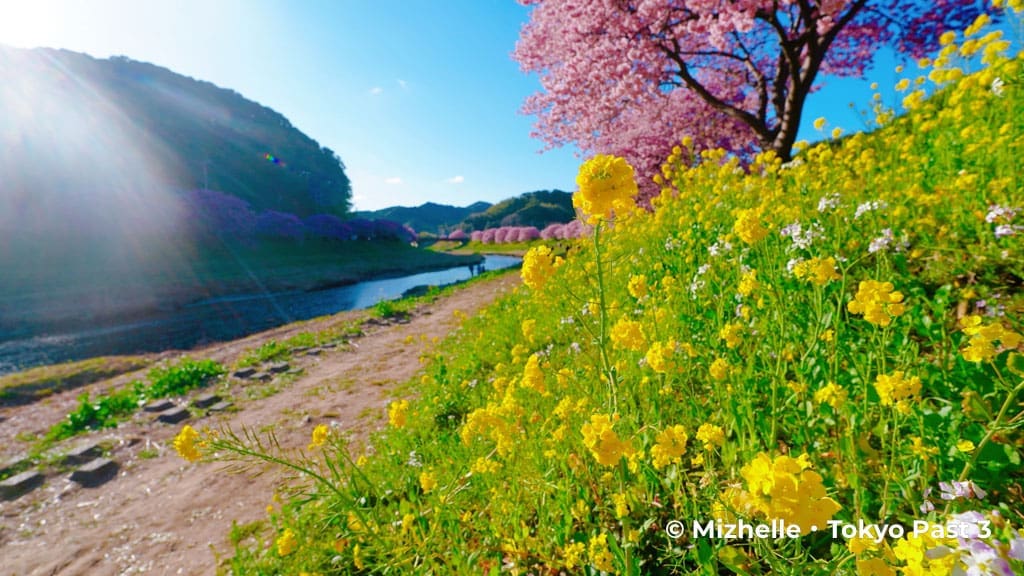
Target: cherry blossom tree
{"x": 633, "y": 77}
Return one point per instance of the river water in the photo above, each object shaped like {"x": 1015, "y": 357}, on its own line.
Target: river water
{"x": 219, "y": 319}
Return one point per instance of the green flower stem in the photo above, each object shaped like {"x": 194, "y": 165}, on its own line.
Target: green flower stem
{"x": 606, "y": 364}
{"x": 241, "y": 450}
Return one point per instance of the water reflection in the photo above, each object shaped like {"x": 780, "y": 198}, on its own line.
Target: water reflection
{"x": 220, "y": 319}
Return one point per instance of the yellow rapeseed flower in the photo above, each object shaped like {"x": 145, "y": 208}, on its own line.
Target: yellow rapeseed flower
{"x": 603, "y": 442}
{"x": 606, "y": 187}
{"x": 538, "y": 265}
{"x": 895, "y": 389}
{"x": 748, "y": 283}
{"x": 572, "y": 555}
{"x": 877, "y": 302}
{"x": 528, "y": 327}
{"x": 533, "y": 376}
{"x": 628, "y": 335}
{"x": 818, "y": 271}
{"x": 660, "y": 356}
{"x": 732, "y": 334}
{"x": 397, "y": 413}
{"x": 785, "y": 488}
{"x": 983, "y": 337}
{"x": 600, "y": 555}
{"x": 428, "y": 481}
{"x": 185, "y": 444}
{"x": 832, "y": 394}
{"x": 318, "y": 437}
{"x": 286, "y": 543}
{"x": 711, "y": 435}
{"x": 637, "y": 286}
{"x": 719, "y": 369}
{"x": 748, "y": 225}
{"x": 669, "y": 446}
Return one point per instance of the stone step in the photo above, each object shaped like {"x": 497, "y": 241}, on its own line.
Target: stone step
{"x": 20, "y": 484}
{"x": 244, "y": 372}
{"x": 95, "y": 473}
{"x": 220, "y": 406}
{"x": 158, "y": 405}
{"x": 174, "y": 415}
{"x": 82, "y": 453}
{"x": 278, "y": 367}
{"x": 13, "y": 463}
{"x": 206, "y": 400}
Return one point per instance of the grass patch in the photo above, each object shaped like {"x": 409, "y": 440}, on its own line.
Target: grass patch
{"x": 106, "y": 410}
{"x": 36, "y": 383}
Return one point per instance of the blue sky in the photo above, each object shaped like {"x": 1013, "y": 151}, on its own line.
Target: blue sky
{"x": 419, "y": 98}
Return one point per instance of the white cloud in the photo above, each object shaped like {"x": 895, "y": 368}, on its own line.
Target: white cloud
{"x": 403, "y": 84}
{"x": 456, "y": 180}
{"x": 393, "y": 180}
{"x": 376, "y": 91}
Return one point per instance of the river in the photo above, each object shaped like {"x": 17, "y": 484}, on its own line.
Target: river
{"x": 219, "y": 319}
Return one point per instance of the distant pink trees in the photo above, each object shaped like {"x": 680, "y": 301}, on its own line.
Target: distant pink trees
{"x": 574, "y": 229}
{"x": 458, "y": 235}
{"x": 512, "y": 234}
{"x": 633, "y": 77}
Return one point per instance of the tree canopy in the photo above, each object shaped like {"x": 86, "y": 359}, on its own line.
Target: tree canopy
{"x": 633, "y": 77}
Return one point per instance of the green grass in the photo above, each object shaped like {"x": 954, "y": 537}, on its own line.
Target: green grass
{"x": 106, "y": 410}
{"x": 36, "y": 383}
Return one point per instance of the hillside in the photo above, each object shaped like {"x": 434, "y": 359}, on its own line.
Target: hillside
{"x": 428, "y": 217}
{"x": 91, "y": 129}
{"x": 536, "y": 209}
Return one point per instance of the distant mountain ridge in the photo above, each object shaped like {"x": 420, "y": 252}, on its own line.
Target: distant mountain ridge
{"x": 429, "y": 217}
{"x": 538, "y": 209}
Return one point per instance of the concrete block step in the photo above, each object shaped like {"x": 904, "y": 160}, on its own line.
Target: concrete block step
{"x": 174, "y": 415}
{"x": 95, "y": 473}
{"x": 20, "y": 484}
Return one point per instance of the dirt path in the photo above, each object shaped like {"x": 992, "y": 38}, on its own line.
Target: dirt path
{"x": 161, "y": 515}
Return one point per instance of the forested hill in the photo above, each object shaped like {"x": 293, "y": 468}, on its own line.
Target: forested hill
{"x": 428, "y": 217}
{"x": 78, "y": 126}
{"x": 538, "y": 209}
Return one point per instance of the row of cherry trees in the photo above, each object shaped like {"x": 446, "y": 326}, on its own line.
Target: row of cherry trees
{"x": 514, "y": 234}
{"x": 216, "y": 213}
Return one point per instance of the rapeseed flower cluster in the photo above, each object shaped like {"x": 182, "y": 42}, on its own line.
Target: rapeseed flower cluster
{"x": 603, "y": 442}
{"x": 538, "y": 266}
{"x": 786, "y": 488}
{"x": 398, "y": 412}
{"x": 877, "y": 302}
{"x": 818, "y": 271}
{"x": 983, "y": 337}
{"x": 628, "y": 335}
{"x": 669, "y": 446}
{"x": 187, "y": 442}
{"x": 606, "y": 188}
{"x": 896, "y": 389}
{"x": 749, "y": 225}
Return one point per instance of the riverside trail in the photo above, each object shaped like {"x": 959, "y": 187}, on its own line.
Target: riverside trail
{"x": 162, "y": 515}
